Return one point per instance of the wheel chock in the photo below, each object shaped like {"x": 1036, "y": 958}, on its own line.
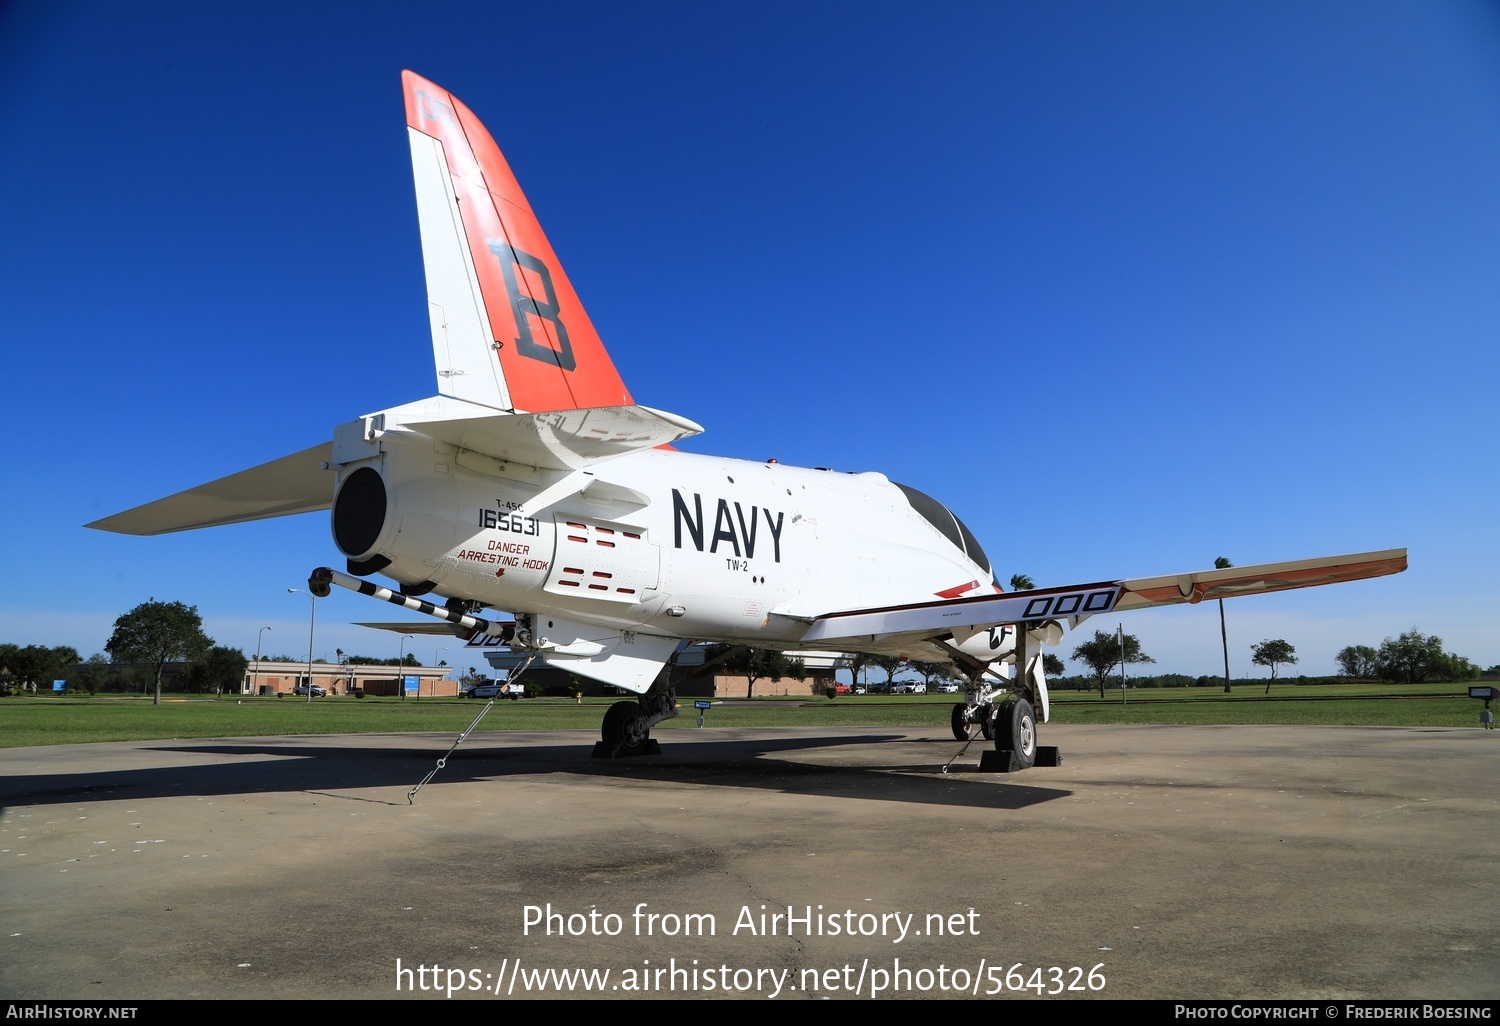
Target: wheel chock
{"x": 993, "y": 761}
{"x": 602, "y": 751}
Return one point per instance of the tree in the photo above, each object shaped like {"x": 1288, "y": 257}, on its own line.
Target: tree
{"x": 156, "y": 633}
{"x": 1020, "y": 582}
{"x": 94, "y": 674}
{"x": 1411, "y": 658}
{"x": 855, "y": 660}
{"x": 1360, "y": 661}
{"x": 930, "y": 671}
{"x": 218, "y": 670}
{"x": 1273, "y": 654}
{"x": 890, "y": 664}
{"x": 1456, "y": 667}
{"x": 1052, "y": 666}
{"x": 361, "y": 660}
{"x": 1223, "y": 563}
{"x": 35, "y": 667}
{"x": 756, "y": 663}
{"x": 1102, "y": 654}
{"x": 1415, "y": 657}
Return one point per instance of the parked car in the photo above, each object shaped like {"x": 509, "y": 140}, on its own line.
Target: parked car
{"x": 950, "y": 688}
{"x": 317, "y": 691}
{"x": 498, "y": 689}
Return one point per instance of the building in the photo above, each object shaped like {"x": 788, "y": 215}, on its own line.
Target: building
{"x": 280, "y": 678}
{"x": 689, "y": 678}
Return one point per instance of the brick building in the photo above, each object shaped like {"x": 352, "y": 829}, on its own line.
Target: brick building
{"x": 279, "y": 678}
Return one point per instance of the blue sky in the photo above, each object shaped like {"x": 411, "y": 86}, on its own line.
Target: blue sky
{"x": 1128, "y": 286}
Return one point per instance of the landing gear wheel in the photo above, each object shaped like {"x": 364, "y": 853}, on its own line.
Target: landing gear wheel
{"x": 960, "y": 724}
{"x": 1016, "y": 731}
{"x": 619, "y": 731}
{"x": 612, "y": 731}
{"x": 987, "y": 723}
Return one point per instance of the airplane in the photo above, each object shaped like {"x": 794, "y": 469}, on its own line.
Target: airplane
{"x": 532, "y": 483}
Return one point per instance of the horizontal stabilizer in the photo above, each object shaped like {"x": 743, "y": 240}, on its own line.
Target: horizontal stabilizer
{"x": 433, "y": 627}
{"x": 293, "y": 484}
{"x": 559, "y": 440}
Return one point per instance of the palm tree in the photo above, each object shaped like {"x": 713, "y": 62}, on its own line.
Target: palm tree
{"x": 1020, "y": 582}
{"x": 1223, "y": 564}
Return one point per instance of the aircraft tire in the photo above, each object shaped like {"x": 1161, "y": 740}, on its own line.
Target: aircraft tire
{"x": 612, "y": 731}
{"x": 960, "y": 725}
{"x": 1016, "y": 731}
{"x": 987, "y": 724}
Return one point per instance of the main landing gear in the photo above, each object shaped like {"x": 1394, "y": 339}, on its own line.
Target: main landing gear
{"x": 1015, "y": 733}
{"x": 1009, "y": 720}
{"x": 626, "y": 729}
{"x": 1003, "y": 707}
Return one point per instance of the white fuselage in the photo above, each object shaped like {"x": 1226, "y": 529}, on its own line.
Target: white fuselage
{"x": 660, "y": 541}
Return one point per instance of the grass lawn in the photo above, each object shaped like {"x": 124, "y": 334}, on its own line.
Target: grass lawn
{"x": 47, "y": 720}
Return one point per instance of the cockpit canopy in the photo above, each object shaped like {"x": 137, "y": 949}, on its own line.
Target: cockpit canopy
{"x": 952, "y": 528}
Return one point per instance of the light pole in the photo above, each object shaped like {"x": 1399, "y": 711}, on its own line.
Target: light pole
{"x": 255, "y": 678}
{"x": 1224, "y": 564}
{"x": 401, "y": 666}
{"x": 312, "y": 620}
{"x": 1120, "y": 633}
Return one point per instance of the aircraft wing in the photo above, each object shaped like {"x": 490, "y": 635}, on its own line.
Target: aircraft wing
{"x": 963, "y": 617}
{"x": 1255, "y": 580}
{"x": 298, "y": 483}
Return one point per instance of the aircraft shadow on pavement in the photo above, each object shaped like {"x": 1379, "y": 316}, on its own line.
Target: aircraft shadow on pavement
{"x": 306, "y": 764}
